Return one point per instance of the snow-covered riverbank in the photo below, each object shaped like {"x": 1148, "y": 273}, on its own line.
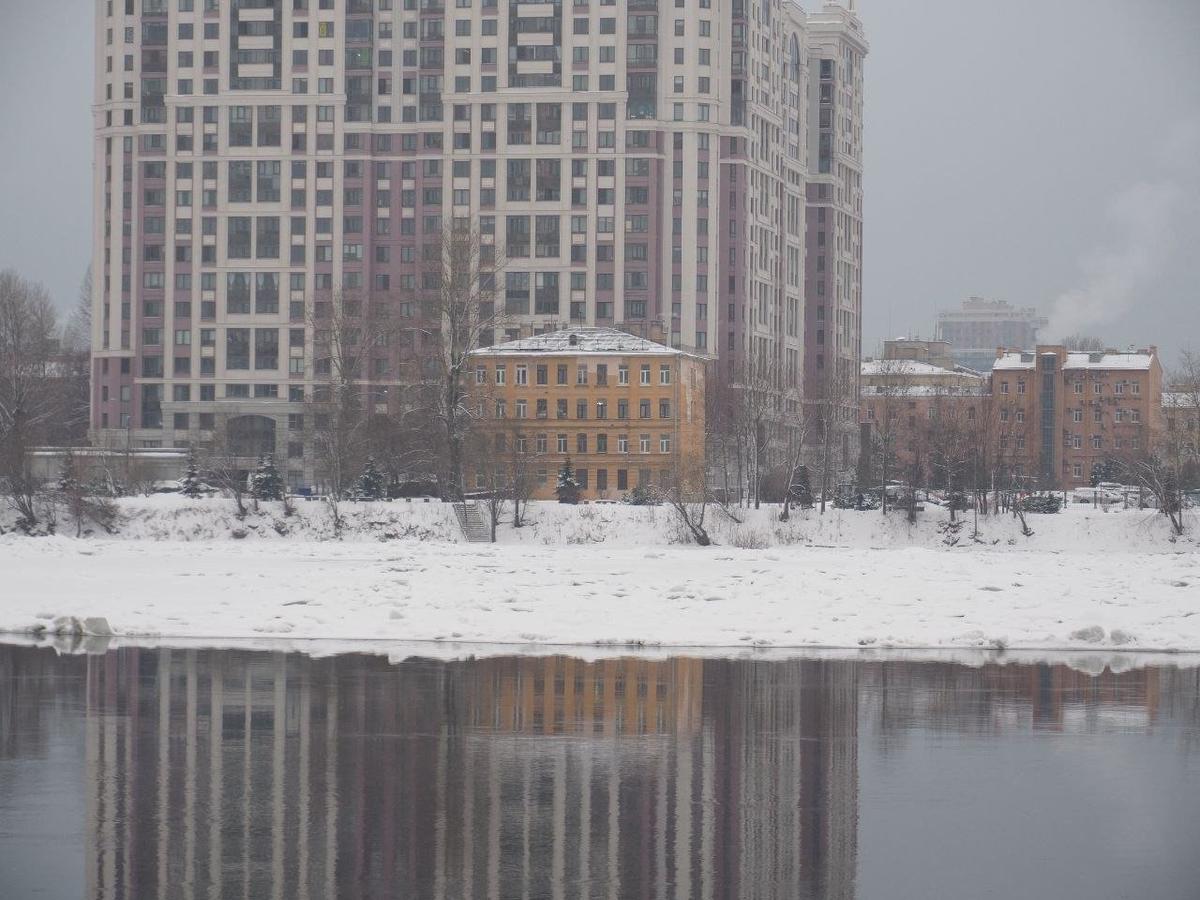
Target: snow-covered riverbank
{"x": 1085, "y": 581}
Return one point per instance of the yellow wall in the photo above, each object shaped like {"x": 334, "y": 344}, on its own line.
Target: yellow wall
{"x": 684, "y": 426}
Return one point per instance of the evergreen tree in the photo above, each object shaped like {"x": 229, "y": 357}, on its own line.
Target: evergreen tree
{"x": 800, "y": 490}
{"x": 191, "y": 479}
{"x": 68, "y": 483}
{"x": 642, "y": 495}
{"x": 567, "y": 488}
{"x": 372, "y": 485}
{"x": 266, "y": 483}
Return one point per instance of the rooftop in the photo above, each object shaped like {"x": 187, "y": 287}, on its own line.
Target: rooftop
{"x": 876, "y": 367}
{"x": 607, "y": 341}
{"x": 1133, "y": 360}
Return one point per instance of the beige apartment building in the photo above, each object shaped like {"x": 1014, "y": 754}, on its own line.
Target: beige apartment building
{"x": 691, "y": 168}
{"x": 626, "y": 411}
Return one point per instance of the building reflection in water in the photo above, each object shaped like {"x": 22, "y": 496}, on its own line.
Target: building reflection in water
{"x": 218, "y": 774}
{"x": 226, "y": 774}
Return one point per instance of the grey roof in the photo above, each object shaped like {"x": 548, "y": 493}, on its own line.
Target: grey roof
{"x": 608, "y": 341}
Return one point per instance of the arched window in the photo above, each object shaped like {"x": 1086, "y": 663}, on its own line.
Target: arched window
{"x": 794, "y": 60}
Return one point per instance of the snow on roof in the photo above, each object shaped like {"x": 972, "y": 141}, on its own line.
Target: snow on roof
{"x": 1107, "y": 360}
{"x": 928, "y": 390}
{"x": 1012, "y": 361}
{"x": 1131, "y": 361}
{"x": 581, "y": 340}
{"x": 902, "y": 367}
{"x": 886, "y": 367}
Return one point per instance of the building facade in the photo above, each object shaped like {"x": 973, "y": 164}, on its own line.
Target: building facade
{"x": 627, "y": 412}
{"x": 1061, "y": 416}
{"x": 1046, "y": 418}
{"x": 693, "y": 169}
{"x": 975, "y": 330}
{"x": 914, "y": 398}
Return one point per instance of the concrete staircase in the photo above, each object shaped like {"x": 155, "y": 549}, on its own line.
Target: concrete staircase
{"x": 474, "y": 524}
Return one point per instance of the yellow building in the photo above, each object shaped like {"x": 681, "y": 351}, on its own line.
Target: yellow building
{"x": 626, "y": 411}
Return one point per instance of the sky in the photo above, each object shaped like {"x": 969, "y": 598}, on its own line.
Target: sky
{"x": 1045, "y": 152}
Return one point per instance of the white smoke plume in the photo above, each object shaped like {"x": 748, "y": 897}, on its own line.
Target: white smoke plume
{"x": 1142, "y": 218}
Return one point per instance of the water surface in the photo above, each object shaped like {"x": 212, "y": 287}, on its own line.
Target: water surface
{"x": 142, "y": 773}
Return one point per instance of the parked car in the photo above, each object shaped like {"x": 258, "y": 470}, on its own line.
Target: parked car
{"x": 1103, "y": 496}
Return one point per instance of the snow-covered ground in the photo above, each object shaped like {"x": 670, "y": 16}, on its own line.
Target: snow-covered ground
{"x": 614, "y": 575}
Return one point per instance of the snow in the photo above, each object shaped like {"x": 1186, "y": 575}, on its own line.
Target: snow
{"x": 1180, "y": 400}
{"x": 892, "y": 367}
{"x": 588, "y": 339}
{"x": 613, "y": 576}
{"x": 1131, "y": 361}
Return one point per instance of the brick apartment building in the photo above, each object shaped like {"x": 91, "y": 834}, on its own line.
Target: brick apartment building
{"x": 1051, "y": 418}
{"x": 908, "y": 393}
{"x": 1061, "y": 415}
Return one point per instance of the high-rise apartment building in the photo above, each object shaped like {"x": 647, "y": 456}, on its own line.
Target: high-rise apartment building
{"x": 980, "y": 326}
{"x": 684, "y": 167}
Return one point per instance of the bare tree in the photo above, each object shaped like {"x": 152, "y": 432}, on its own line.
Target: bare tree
{"x": 459, "y": 308}
{"x": 30, "y": 397}
{"x": 81, "y": 505}
{"x": 952, "y": 441}
{"x": 756, "y": 406}
{"x": 722, "y": 436}
{"x": 981, "y": 438}
{"x": 1156, "y": 470}
{"x": 485, "y": 452}
{"x": 1009, "y": 479}
{"x": 222, "y": 469}
{"x": 796, "y": 434}
{"x": 1181, "y": 420}
{"x": 522, "y": 457}
{"x": 77, "y": 330}
{"x": 888, "y": 395}
{"x": 1166, "y": 463}
{"x": 688, "y": 494}
{"x": 834, "y": 414}
{"x": 353, "y": 388}
{"x": 1083, "y": 342}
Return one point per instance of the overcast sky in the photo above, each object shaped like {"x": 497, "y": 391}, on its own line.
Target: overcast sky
{"x": 1041, "y": 151}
